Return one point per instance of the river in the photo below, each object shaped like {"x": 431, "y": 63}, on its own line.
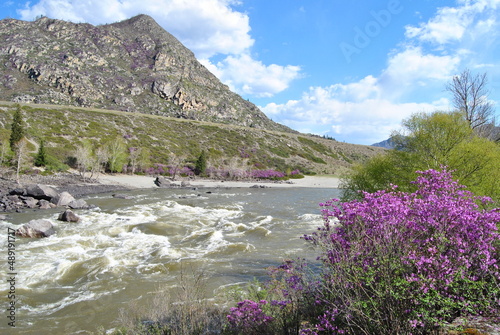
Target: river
{"x": 120, "y": 252}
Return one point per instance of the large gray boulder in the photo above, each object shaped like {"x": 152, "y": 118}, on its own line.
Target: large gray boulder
{"x": 78, "y": 204}
{"x": 41, "y": 192}
{"x": 68, "y": 216}
{"x": 63, "y": 199}
{"x": 36, "y": 229}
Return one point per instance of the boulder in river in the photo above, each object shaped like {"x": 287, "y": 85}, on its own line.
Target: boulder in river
{"x": 68, "y": 216}
{"x": 36, "y": 229}
{"x": 63, "y": 199}
{"x": 78, "y": 204}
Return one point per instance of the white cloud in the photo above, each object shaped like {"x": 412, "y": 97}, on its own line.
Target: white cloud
{"x": 321, "y": 110}
{"x": 450, "y": 24}
{"x": 366, "y": 111}
{"x": 248, "y": 76}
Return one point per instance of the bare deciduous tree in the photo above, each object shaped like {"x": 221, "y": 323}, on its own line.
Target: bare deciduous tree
{"x": 21, "y": 155}
{"x": 470, "y": 96}
{"x": 177, "y": 162}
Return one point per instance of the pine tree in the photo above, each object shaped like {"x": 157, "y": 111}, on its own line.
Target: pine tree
{"x": 17, "y": 129}
{"x": 201, "y": 164}
{"x": 41, "y": 156}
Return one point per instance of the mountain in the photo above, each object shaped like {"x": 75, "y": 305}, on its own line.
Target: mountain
{"x": 133, "y": 65}
{"x": 388, "y": 144}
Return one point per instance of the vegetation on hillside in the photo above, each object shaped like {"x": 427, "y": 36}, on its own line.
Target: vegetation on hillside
{"x": 93, "y": 141}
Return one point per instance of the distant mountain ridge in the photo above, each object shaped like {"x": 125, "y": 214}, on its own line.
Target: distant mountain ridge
{"x": 388, "y": 144}
{"x": 133, "y": 65}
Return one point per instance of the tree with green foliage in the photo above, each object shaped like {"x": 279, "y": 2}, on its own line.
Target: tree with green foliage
{"x": 430, "y": 141}
{"x": 41, "y": 158}
{"x": 201, "y": 164}
{"x": 17, "y": 129}
{"x": 117, "y": 155}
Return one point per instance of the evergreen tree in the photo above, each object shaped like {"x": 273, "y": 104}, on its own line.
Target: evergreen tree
{"x": 17, "y": 129}
{"x": 201, "y": 164}
{"x": 41, "y": 156}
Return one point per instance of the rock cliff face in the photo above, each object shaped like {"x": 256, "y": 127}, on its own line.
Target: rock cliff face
{"x": 133, "y": 65}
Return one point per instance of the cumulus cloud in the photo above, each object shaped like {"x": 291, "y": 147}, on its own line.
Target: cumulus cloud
{"x": 450, "y": 24}
{"x": 248, "y": 76}
{"x": 367, "y": 110}
{"x": 324, "y": 110}
{"x": 207, "y": 27}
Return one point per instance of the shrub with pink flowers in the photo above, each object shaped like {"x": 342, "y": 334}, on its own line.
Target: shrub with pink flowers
{"x": 249, "y": 318}
{"x": 400, "y": 263}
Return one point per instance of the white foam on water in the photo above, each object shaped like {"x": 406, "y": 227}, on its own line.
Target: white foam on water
{"x": 311, "y": 220}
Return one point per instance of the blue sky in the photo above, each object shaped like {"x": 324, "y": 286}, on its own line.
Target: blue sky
{"x": 352, "y": 70}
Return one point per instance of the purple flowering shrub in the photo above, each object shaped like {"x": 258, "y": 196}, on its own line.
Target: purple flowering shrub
{"x": 393, "y": 263}
{"x": 283, "y": 302}
{"x": 398, "y": 262}
{"x": 249, "y": 318}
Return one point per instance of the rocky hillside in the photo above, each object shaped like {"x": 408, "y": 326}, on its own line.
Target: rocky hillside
{"x": 133, "y": 65}
{"x": 227, "y": 146}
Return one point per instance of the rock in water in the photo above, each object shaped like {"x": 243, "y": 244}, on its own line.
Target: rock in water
{"x": 78, "y": 204}
{"x": 63, "y": 199}
{"x": 68, "y": 216}
{"x": 36, "y": 229}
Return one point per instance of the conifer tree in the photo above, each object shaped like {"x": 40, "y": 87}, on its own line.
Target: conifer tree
{"x": 41, "y": 156}
{"x": 201, "y": 164}
{"x": 17, "y": 129}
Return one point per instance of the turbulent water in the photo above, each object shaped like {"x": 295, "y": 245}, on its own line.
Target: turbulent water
{"x": 122, "y": 251}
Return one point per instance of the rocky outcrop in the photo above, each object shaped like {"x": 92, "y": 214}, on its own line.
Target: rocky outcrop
{"x": 36, "y": 229}
{"x": 133, "y": 65}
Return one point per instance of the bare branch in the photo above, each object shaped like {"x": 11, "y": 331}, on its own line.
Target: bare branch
{"x": 470, "y": 96}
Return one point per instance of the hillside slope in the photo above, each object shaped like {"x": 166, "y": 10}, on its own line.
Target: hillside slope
{"x": 237, "y": 147}
{"x": 133, "y": 65}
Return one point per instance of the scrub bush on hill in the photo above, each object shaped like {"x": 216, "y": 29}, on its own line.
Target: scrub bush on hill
{"x": 392, "y": 262}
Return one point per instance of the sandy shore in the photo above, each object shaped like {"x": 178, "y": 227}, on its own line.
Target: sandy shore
{"x": 133, "y": 181}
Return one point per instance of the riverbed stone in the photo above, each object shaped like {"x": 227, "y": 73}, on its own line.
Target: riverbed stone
{"x": 63, "y": 199}
{"x": 68, "y": 216}
{"x": 30, "y": 202}
{"x": 39, "y": 191}
{"x": 44, "y": 204}
{"x": 36, "y": 229}
{"x": 78, "y": 204}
